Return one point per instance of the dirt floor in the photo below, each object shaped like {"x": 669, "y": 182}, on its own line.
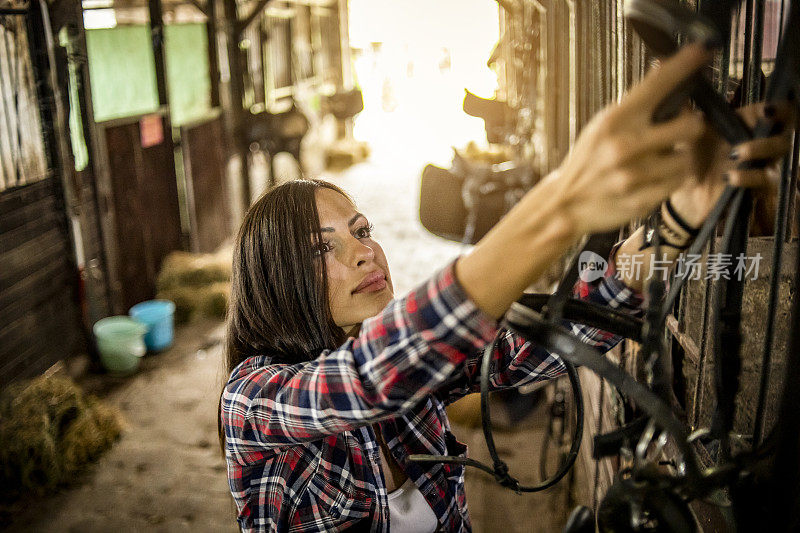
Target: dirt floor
{"x": 166, "y": 472}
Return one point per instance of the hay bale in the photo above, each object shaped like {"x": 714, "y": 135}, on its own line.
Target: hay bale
{"x": 491, "y": 155}
{"x": 28, "y": 456}
{"x": 184, "y": 269}
{"x": 215, "y": 300}
{"x": 466, "y": 411}
{"x": 186, "y": 300}
{"x": 92, "y": 432}
{"x": 345, "y": 153}
{"x": 195, "y": 302}
{"x": 198, "y": 284}
{"x": 48, "y": 431}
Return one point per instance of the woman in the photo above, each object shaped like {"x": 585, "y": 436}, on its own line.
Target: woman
{"x": 333, "y": 383}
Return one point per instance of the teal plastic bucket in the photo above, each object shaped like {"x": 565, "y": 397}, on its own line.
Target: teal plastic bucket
{"x": 120, "y": 340}
{"x": 159, "y": 317}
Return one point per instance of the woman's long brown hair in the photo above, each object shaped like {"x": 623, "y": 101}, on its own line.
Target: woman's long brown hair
{"x": 279, "y": 295}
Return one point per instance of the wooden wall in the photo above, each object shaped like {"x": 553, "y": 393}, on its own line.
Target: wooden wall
{"x": 39, "y": 313}
{"x": 562, "y": 61}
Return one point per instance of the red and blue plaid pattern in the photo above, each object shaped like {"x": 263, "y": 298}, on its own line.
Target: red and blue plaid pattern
{"x": 300, "y": 446}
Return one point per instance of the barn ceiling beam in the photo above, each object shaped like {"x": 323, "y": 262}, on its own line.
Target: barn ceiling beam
{"x": 243, "y": 24}
{"x": 200, "y": 7}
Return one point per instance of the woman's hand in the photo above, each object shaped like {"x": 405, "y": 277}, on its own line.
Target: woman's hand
{"x": 717, "y": 164}
{"x": 623, "y": 165}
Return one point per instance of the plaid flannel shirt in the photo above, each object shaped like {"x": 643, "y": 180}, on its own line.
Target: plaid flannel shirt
{"x": 300, "y": 447}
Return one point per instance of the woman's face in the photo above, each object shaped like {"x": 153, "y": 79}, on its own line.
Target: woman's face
{"x": 359, "y": 284}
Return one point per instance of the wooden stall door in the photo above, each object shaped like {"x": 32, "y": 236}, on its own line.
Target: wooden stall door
{"x": 40, "y": 319}
{"x": 206, "y": 185}
{"x": 40, "y": 314}
{"x": 144, "y": 189}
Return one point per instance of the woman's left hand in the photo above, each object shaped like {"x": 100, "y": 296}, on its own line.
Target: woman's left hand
{"x": 718, "y": 164}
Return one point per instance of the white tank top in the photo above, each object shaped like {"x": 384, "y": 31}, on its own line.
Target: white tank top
{"x": 409, "y": 512}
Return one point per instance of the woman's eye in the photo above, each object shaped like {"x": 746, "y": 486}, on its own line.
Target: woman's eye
{"x": 364, "y": 232}
{"x": 322, "y": 248}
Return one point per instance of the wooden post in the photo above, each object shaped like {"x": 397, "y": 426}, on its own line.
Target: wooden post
{"x": 213, "y": 55}
{"x": 234, "y": 121}
{"x": 157, "y": 34}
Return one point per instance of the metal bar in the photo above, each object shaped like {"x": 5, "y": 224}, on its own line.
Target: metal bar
{"x": 724, "y": 66}
{"x": 774, "y": 287}
{"x": 13, "y": 11}
{"x": 793, "y": 175}
{"x": 728, "y": 296}
{"x": 787, "y": 460}
{"x": 728, "y": 341}
{"x": 783, "y": 516}
{"x": 747, "y": 55}
{"x": 782, "y": 84}
{"x": 701, "y": 365}
{"x": 736, "y": 37}
{"x": 758, "y": 44}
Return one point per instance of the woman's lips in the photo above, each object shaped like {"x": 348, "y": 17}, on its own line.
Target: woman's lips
{"x": 374, "y": 282}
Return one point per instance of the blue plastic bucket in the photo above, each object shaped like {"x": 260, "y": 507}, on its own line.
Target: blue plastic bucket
{"x": 159, "y": 317}
{"x": 120, "y": 341}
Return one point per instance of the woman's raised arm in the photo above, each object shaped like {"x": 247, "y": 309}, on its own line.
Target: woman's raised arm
{"x": 622, "y": 166}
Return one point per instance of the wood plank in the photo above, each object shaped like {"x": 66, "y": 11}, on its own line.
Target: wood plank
{"x": 146, "y": 208}
{"x": 35, "y": 291}
{"x": 57, "y": 339}
{"x": 689, "y": 347}
{"x": 29, "y": 364}
{"x": 54, "y": 314}
{"x": 158, "y": 195}
{"x": 31, "y": 351}
{"x": 17, "y": 263}
{"x": 6, "y": 158}
{"x": 18, "y": 216}
{"x": 37, "y": 284}
{"x": 54, "y": 310}
{"x": 36, "y": 354}
{"x": 23, "y": 153}
{"x": 206, "y": 185}
{"x": 122, "y": 146}
{"x": 10, "y": 153}
{"x": 34, "y": 163}
{"x": 22, "y": 196}
{"x": 32, "y": 228}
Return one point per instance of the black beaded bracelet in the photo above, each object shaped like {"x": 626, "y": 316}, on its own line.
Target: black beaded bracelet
{"x": 655, "y": 225}
{"x": 685, "y": 226}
